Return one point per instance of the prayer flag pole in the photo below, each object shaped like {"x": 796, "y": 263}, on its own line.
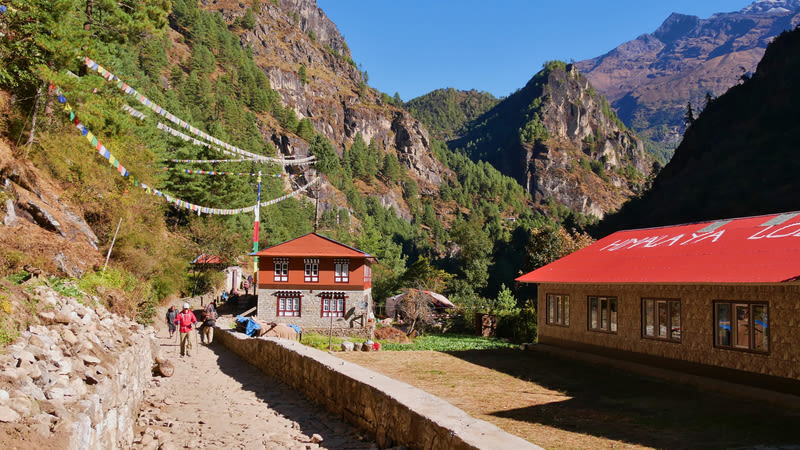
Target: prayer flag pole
{"x": 255, "y": 235}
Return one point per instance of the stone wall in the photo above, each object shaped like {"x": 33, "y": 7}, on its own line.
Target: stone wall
{"x": 697, "y": 324}
{"x": 311, "y": 309}
{"x": 397, "y": 413}
{"x": 77, "y": 379}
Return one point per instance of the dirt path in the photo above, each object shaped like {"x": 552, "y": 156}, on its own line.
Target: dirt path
{"x": 217, "y": 400}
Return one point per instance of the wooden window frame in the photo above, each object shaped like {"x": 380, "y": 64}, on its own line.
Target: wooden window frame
{"x": 341, "y": 272}
{"x": 330, "y": 300}
{"x": 562, "y": 312}
{"x": 311, "y": 270}
{"x": 613, "y": 325}
{"x": 669, "y": 305}
{"x": 285, "y": 312}
{"x": 280, "y": 273}
{"x": 734, "y": 344}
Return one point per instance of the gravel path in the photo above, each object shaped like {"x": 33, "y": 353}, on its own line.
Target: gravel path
{"x": 215, "y": 399}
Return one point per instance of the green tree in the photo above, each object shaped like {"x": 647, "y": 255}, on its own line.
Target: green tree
{"x": 505, "y": 301}
{"x": 302, "y": 73}
{"x": 391, "y": 170}
{"x": 249, "y": 19}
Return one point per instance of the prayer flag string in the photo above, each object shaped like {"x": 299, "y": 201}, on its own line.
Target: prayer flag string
{"x": 126, "y": 88}
{"x": 105, "y": 153}
{"x": 214, "y": 172}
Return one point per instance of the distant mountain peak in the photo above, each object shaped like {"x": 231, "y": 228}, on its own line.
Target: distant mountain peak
{"x": 772, "y": 7}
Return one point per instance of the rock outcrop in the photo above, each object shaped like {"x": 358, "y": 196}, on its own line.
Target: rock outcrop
{"x": 332, "y": 95}
{"x": 563, "y": 143}
{"x": 32, "y": 207}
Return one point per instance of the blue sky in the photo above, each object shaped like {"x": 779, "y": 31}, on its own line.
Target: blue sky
{"x": 415, "y": 46}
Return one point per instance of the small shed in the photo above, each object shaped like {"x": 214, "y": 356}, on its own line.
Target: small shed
{"x": 439, "y": 302}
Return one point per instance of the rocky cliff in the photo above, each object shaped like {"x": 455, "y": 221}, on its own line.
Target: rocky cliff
{"x": 562, "y": 142}
{"x": 650, "y": 79}
{"x": 329, "y": 90}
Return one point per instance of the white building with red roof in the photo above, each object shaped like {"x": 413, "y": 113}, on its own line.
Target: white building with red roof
{"x": 718, "y": 298}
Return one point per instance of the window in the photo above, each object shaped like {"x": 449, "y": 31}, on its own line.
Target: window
{"x": 281, "y": 269}
{"x": 342, "y": 271}
{"x": 603, "y": 314}
{"x": 558, "y": 309}
{"x": 661, "y": 319}
{"x": 741, "y": 325}
{"x": 289, "y": 304}
{"x": 312, "y": 270}
{"x": 332, "y": 305}
{"x": 367, "y": 273}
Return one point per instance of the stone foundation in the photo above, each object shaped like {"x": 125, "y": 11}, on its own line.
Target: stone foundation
{"x": 397, "y": 413}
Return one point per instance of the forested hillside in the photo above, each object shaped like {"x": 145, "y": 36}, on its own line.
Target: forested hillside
{"x": 88, "y": 137}
{"x": 738, "y": 158}
{"x": 446, "y": 112}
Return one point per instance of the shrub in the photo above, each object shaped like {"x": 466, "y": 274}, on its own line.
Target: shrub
{"x": 519, "y": 325}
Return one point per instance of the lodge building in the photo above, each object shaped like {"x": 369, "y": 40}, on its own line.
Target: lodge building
{"x": 315, "y": 282}
{"x": 718, "y": 299}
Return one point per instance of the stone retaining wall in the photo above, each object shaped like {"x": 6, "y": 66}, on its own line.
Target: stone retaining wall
{"x": 78, "y": 378}
{"x": 397, "y": 413}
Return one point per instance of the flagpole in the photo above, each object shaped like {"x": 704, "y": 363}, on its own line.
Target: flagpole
{"x": 255, "y": 235}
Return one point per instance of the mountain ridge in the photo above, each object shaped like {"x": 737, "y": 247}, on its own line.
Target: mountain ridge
{"x": 650, "y": 79}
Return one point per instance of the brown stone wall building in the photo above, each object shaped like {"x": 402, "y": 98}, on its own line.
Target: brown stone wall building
{"x": 719, "y": 299}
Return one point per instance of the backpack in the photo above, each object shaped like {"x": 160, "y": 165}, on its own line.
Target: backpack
{"x": 210, "y": 314}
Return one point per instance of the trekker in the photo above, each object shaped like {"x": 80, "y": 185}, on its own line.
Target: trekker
{"x": 171, "y": 313}
{"x": 246, "y": 286}
{"x": 209, "y": 320}
{"x": 186, "y": 320}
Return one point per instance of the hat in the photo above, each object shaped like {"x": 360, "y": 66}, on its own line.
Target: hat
{"x": 185, "y": 306}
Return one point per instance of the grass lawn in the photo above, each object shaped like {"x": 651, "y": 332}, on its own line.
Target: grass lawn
{"x": 428, "y": 342}
{"x": 561, "y": 403}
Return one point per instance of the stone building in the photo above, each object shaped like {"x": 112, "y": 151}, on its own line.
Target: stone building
{"x": 315, "y": 282}
{"x": 718, "y": 299}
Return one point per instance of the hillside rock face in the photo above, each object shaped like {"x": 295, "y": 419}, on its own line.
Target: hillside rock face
{"x": 650, "y": 79}
{"x": 333, "y": 96}
{"x": 562, "y": 142}
{"x": 53, "y": 231}
{"x": 738, "y": 159}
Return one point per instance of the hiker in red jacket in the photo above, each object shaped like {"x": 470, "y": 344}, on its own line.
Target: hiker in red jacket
{"x": 185, "y": 320}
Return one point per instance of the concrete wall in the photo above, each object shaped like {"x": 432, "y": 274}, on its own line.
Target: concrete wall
{"x": 397, "y": 413}
{"x": 697, "y": 324}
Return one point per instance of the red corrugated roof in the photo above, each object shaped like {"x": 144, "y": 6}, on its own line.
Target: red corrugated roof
{"x": 762, "y": 249}
{"x": 208, "y": 259}
{"x": 313, "y": 244}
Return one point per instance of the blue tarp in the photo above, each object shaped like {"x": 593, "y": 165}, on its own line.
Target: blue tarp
{"x": 251, "y": 328}
{"x": 296, "y": 328}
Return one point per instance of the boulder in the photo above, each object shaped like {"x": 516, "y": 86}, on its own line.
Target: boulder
{"x": 347, "y": 346}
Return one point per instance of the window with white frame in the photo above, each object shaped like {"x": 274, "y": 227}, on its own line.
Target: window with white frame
{"x": 332, "y": 305}
{"x": 741, "y": 325}
{"x": 288, "y": 304}
{"x": 281, "y": 272}
{"x": 558, "y": 309}
{"x": 602, "y": 314}
{"x": 367, "y": 273}
{"x": 661, "y": 319}
{"x": 342, "y": 271}
{"x": 312, "y": 270}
